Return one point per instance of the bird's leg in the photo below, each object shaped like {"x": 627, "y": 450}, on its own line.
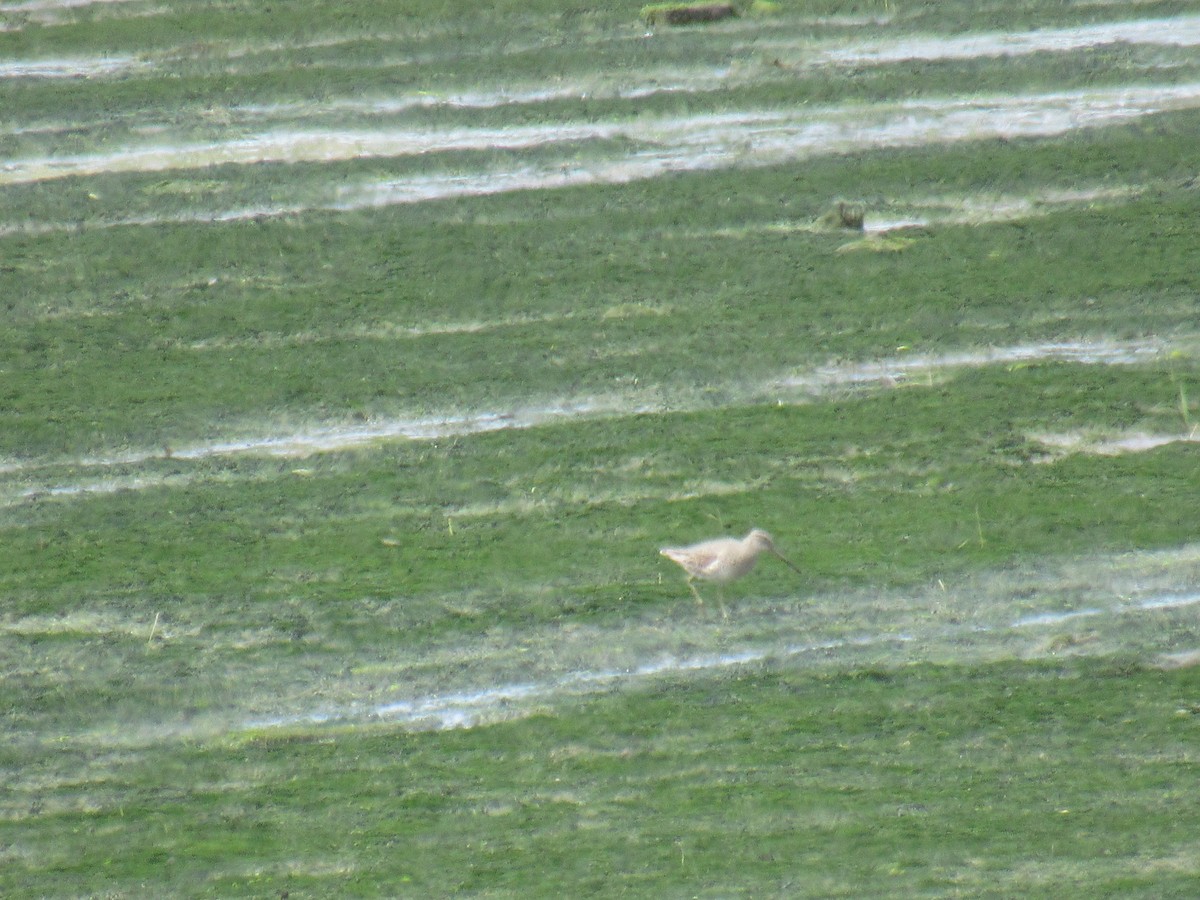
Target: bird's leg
{"x": 695, "y": 593}
{"x": 721, "y": 603}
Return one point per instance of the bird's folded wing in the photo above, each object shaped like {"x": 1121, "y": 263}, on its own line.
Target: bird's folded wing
{"x": 694, "y": 560}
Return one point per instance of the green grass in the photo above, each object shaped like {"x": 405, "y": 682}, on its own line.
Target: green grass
{"x": 216, "y": 307}
{"x": 207, "y": 653}
{"x": 835, "y": 461}
{"x": 924, "y": 781}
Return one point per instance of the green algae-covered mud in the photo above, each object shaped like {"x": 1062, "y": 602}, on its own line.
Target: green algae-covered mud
{"x": 357, "y": 360}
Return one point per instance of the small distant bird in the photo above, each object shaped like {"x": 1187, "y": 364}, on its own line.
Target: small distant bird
{"x": 723, "y": 559}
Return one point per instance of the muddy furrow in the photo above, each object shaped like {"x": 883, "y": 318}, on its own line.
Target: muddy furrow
{"x": 796, "y": 386}
{"x": 662, "y": 145}
{"x": 1114, "y": 604}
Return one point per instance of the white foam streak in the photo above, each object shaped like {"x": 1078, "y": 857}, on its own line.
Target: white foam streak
{"x": 1180, "y": 31}
{"x": 1055, "y": 618}
{"x": 903, "y": 369}
{"x": 70, "y": 67}
{"x": 468, "y": 709}
{"x": 665, "y": 145}
{"x": 1140, "y": 442}
{"x": 472, "y": 708}
{"x": 1170, "y": 602}
{"x": 323, "y": 440}
{"x": 811, "y": 382}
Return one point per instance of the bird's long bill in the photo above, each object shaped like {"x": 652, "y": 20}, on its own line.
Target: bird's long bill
{"x": 787, "y": 562}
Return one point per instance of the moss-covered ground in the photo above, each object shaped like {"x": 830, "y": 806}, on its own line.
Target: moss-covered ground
{"x": 356, "y": 360}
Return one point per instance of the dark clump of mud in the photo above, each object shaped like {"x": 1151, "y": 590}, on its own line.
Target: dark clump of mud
{"x": 687, "y": 14}
{"x": 843, "y": 215}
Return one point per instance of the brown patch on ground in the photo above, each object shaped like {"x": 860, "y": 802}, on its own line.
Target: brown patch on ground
{"x": 688, "y": 14}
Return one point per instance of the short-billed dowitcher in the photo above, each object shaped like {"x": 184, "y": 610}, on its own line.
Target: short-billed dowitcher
{"x": 723, "y": 559}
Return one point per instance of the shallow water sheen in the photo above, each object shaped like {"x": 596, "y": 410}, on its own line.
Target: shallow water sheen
{"x": 1179, "y": 31}
{"x": 810, "y": 381}
{"x": 467, "y": 708}
{"x": 660, "y": 145}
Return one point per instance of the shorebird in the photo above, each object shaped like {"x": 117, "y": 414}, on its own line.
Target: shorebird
{"x": 723, "y": 559}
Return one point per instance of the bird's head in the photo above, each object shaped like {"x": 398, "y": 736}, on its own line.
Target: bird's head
{"x": 759, "y": 538}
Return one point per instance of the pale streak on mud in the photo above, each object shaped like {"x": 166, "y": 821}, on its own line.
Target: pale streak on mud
{"x": 1138, "y": 603}
{"x": 71, "y": 67}
{"x": 898, "y": 214}
{"x": 662, "y": 146}
{"x": 1117, "y": 602}
{"x": 1178, "y": 31}
{"x": 101, "y": 486}
{"x": 915, "y": 368}
{"x": 389, "y": 331}
{"x": 25, "y": 6}
{"x": 1066, "y": 444}
{"x": 982, "y": 210}
{"x": 574, "y": 498}
{"x": 917, "y": 212}
{"x": 674, "y": 80}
